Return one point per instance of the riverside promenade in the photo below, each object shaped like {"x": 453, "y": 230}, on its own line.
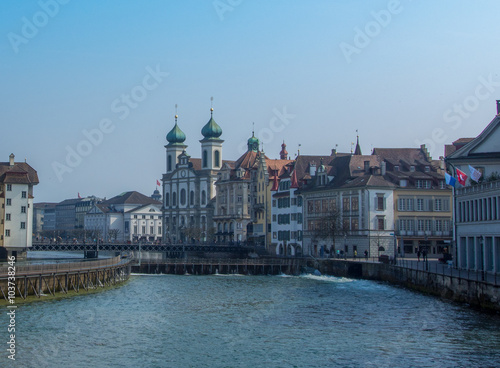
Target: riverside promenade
{"x": 477, "y": 288}
{"x": 50, "y": 279}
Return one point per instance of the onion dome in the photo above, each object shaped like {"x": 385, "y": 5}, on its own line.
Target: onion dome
{"x": 176, "y": 135}
{"x": 211, "y": 129}
{"x": 253, "y": 143}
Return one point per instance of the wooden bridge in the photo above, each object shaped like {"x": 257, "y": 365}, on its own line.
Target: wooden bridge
{"x": 49, "y": 279}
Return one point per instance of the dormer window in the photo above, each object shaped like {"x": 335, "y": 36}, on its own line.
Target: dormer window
{"x": 412, "y": 168}
{"x": 427, "y": 169}
{"x": 396, "y": 168}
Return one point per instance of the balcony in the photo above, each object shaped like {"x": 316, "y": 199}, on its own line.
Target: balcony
{"x": 479, "y": 188}
{"x": 423, "y": 234}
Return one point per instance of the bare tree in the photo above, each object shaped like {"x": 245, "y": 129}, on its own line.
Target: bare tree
{"x": 330, "y": 226}
{"x": 192, "y": 232}
{"x": 113, "y": 233}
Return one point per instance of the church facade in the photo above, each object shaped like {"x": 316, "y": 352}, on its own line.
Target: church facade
{"x": 189, "y": 185}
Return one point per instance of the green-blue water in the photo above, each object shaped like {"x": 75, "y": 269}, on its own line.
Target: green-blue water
{"x": 252, "y": 321}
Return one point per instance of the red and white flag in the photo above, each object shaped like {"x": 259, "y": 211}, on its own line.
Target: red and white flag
{"x": 79, "y": 196}
{"x": 461, "y": 177}
{"x": 158, "y": 183}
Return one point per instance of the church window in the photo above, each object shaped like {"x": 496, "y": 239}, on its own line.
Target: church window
{"x": 205, "y": 158}
{"x": 183, "y": 197}
{"x": 217, "y": 159}
{"x": 169, "y": 163}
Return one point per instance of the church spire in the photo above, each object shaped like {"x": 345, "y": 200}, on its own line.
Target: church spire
{"x": 357, "y": 151}
{"x": 283, "y": 153}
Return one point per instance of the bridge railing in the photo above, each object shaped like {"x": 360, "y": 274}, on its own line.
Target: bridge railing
{"x": 61, "y": 267}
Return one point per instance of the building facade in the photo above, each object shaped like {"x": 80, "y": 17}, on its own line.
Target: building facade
{"x": 17, "y": 180}
{"x": 189, "y": 185}
{"x": 233, "y": 205}
{"x": 130, "y": 216}
{"x": 422, "y": 200}
{"x": 477, "y": 204}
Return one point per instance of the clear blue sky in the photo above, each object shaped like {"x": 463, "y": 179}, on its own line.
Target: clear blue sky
{"x": 401, "y": 72}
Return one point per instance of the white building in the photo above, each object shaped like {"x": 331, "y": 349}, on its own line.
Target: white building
{"x": 286, "y": 214}
{"x": 16, "y": 213}
{"x": 130, "y": 216}
{"x": 477, "y": 205}
{"x": 352, "y": 190}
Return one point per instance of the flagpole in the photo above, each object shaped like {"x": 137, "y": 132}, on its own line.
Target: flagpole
{"x": 454, "y": 217}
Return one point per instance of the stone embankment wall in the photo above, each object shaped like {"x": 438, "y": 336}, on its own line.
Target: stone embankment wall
{"x": 473, "y": 292}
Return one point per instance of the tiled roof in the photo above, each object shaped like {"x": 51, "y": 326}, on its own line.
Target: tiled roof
{"x": 248, "y": 160}
{"x": 71, "y": 201}
{"x": 131, "y": 198}
{"x": 19, "y": 173}
{"x": 409, "y": 156}
{"x": 368, "y": 180}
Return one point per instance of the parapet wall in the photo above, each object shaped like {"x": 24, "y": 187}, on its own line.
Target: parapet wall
{"x": 476, "y": 293}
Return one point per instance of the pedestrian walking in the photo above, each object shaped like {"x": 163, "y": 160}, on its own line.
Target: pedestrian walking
{"x": 418, "y": 255}
{"x": 366, "y": 254}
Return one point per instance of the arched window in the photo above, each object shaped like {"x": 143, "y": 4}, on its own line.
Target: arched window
{"x": 219, "y": 227}
{"x": 203, "y": 197}
{"x": 191, "y": 198}
{"x": 205, "y": 158}
{"x": 167, "y": 199}
{"x": 174, "y": 199}
{"x": 169, "y": 163}
{"x": 183, "y": 197}
{"x": 225, "y": 227}
{"x": 217, "y": 159}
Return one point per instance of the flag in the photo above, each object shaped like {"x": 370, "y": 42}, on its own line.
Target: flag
{"x": 474, "y": 174}
{"x": 462, "y": 178}
{"x": 79, "y": 195}
{"x": 158, "y": 183}
{"x": 450, "y": 180}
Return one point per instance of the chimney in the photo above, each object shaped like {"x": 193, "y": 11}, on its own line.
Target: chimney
{"x": 498, "y": 107}
{"x": 11, "y": 159}
{"x": 383, "y": 167}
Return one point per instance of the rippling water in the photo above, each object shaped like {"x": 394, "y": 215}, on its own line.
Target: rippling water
{"x": 240, "y": 321}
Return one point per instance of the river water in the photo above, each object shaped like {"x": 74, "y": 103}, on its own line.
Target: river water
{"x": 252, "y": 321}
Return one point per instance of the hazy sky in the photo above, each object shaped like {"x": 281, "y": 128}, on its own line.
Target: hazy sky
{"x": 88, "y": 88}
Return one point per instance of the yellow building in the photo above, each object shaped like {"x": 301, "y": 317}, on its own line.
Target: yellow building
{"x": 422, "y": 200}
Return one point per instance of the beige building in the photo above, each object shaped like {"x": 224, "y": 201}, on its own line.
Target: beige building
{"x": 422, "y": 200}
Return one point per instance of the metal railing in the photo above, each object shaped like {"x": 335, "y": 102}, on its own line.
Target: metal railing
{"x": 434, "y": 267}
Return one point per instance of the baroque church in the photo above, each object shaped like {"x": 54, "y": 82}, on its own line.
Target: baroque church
{"x": 189, "y": 185}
